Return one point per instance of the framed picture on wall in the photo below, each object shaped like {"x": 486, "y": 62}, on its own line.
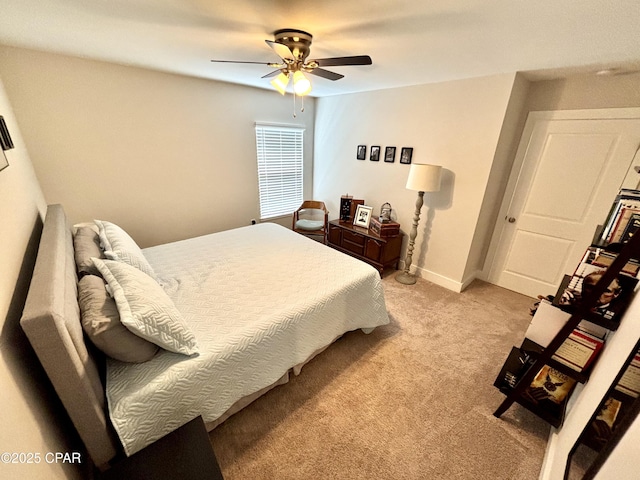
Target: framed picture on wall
{"x": 406, "y": 154}
{"x": 390, "y": 154}
{"x": 5, "y": 139}
{"x": 362, "y": 216}
{"x": 5, "y": 143}
{"x": 375, "y": 154}
{"x": 362, "y": 152}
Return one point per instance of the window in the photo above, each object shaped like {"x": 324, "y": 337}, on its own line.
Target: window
{"x": 279, "y": 169}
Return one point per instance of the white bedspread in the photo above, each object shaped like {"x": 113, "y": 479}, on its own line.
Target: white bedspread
{"x": 260, "y": 300}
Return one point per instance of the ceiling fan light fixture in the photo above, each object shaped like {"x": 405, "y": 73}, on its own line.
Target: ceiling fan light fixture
{"x": 280, "y": 83}
{"x": 301, "y": 84}
{"x": 293, "y": 47}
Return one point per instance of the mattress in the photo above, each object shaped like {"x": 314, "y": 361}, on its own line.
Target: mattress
{"x": 260, "y": 300}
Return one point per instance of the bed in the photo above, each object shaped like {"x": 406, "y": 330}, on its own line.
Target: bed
{"x": 256, "y": 303}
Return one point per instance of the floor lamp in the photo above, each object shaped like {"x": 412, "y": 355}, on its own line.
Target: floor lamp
{"x": 422, "y": 178}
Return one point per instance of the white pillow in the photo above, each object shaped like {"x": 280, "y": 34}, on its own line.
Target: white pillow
{"x": 118, "y": 245}
{"x": 145, "y": 308}
{"x": 101, "y": 323}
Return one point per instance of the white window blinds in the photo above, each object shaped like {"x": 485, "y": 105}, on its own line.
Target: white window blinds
{"x": 279, "y": 169}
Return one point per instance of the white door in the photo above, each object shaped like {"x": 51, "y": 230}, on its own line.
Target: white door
{"x": 567, "y": 172}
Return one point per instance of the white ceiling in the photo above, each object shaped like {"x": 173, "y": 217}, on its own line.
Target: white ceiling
{"x": 410, "y": 41}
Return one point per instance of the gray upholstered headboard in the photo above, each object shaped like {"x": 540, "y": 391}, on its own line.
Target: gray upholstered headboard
{"x": 51, "y": 321}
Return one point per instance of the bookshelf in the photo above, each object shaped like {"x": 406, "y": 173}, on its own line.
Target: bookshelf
{"x": 617, "y": 410}
{"x": 520, "y": 378}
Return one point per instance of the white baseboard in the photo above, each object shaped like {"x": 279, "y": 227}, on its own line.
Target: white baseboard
{"x": 549, "y": 455}
{"x": 469, "y": 280}
{"x": 441, "y": 280}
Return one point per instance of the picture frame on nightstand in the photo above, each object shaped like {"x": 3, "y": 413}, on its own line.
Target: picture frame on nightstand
{"x": 362, "y": 217}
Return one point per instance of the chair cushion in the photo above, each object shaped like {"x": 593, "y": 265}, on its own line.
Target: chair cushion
{"x": 309, "y": 225}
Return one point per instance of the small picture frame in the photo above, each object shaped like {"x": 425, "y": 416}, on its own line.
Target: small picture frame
{"x": 390, "y": 154}
{"x": 375, "y": 154}
{"x": 405, "y": 155}
{"x": 362, "y": 152}
{"x": 362, "y": 218}
{"x": 5, "y": 139}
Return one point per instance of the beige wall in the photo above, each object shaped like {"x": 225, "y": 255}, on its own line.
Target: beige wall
{"x": 585, "y": 92}
{"x": 32, "y": 419}
{"x": 454, "y": 124}
{"x": 167, "y": 157}
{"x": 510, "y": 134}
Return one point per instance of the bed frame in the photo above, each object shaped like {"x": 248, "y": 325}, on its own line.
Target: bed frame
{"x": 51, "y": 321}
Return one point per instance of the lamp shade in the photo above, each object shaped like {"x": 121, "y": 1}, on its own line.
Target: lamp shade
{"x": 301, "y": 84}
{"x": 280, "y": 82}
{"x": 424, "y": 178}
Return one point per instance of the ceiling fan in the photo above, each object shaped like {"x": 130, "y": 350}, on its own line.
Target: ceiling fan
{"x": 293, "y": 47}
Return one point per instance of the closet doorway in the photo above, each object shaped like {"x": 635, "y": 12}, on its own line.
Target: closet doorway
{"x": 567, "y": 171}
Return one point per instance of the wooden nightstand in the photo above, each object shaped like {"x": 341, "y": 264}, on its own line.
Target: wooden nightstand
{"x": 185, "y": 453}
{"x": 364, "y": 244}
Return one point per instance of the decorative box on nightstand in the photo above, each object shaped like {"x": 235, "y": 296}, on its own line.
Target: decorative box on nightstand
{"x": 388, "y": 229}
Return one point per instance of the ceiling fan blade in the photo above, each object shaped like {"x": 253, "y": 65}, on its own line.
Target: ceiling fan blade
{"x": 339, "y": 61}
{"x": 325, "y": 74}
{"x": 281, "y": 50}
{"x": 241, "y": 61}
{"x": 271, "y": 74}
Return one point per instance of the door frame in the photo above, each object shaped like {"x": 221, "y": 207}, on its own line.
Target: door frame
{"x": 489, "y": 273}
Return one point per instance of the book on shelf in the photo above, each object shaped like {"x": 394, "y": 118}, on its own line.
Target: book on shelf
{"x": 550, "y": 387}
{"x": 609, "y": 411}
{"x": 517, "y": 363}
{"x": 624, "y": 217}
{"x": 629, "y": 383}
{"x": 632, "y": 227}
{"x": 592, "y": 329}
{"x": 546, "y": 323}
{"x": 603, "y": 258}
{"x": 549, "y": 319}
{"x": 625, "y": 201}
{"x": 601, "y": 428}
{"x": 612, "y": 302}
{"x": 578, "y": 350}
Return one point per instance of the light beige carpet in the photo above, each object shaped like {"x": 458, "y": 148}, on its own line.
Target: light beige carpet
{"x": 412, "y": 400}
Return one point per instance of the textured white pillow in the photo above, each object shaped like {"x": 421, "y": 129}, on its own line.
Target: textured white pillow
{"x": 101, "y": 323}
{"x": 145, "y": 308}
{"x": 118, "y": 245}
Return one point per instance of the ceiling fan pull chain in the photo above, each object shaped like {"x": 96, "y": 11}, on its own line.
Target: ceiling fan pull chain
{"x": 302, "y": 104}
{"x": 294, "y": 104}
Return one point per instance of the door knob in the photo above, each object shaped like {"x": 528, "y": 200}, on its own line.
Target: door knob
{"x": 511, "y": 220}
